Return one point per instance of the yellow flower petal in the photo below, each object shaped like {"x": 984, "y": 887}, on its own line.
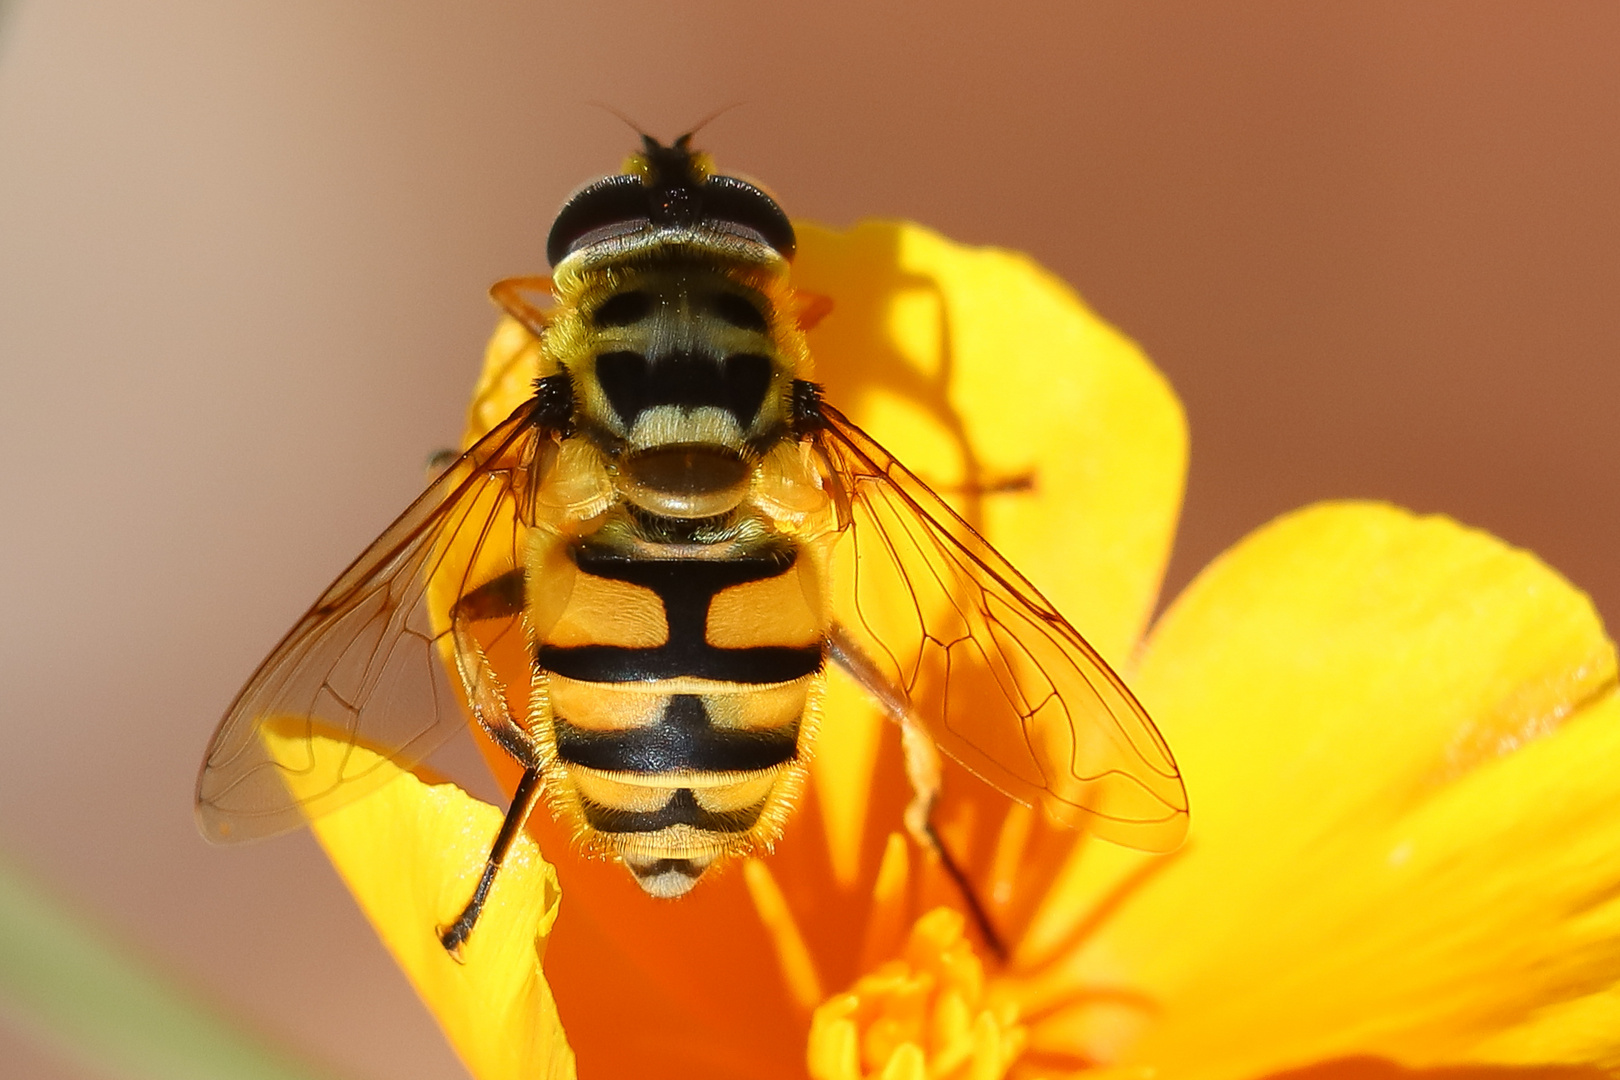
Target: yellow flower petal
{"x": 411, "y": 854}
{"x": 977, "y": 366}
{"x": 1046, "y": 427}
{"x": 1399, "y": 737}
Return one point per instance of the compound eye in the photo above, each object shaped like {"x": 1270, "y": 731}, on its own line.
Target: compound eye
{"x": 737, "y": 203}
{"x": 613, "y": 204}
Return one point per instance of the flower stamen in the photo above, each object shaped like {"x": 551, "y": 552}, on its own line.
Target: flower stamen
{"x": 792, "y": 954}
{"x": 886, "y": 919}
{"x": 1016, "y": 830}
{"x": 924, "y": 1016}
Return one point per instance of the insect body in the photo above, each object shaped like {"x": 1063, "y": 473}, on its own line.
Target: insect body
{"x": 669, "y": 544}
{"x": 676, "y": 610}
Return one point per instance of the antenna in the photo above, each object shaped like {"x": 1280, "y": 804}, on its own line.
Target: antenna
{"x": 715, "y": 115}
{"x": 611, "y": 111}
{"x": 651, "y": 142}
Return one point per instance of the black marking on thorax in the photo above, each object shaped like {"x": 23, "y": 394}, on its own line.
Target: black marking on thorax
{"x": 683, "y": 740}
{"x": 686, "y": 587}
{"x": 632, "y": 384}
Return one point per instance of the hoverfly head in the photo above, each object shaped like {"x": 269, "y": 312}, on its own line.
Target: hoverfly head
{"x": 666, "y": 191}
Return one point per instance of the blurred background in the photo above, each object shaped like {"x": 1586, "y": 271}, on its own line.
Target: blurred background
{"x": 243, "y": 255}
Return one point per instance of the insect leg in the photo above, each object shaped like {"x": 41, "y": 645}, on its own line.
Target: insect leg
{"x": 498, "y": 598}
{"x": 517, "y": 296}
{"x": 501, "y": 597}
{"x": 922, "y": 771}
{"x": 455, "y": 935}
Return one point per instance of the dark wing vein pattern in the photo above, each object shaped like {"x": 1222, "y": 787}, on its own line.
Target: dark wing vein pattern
{"x": 983, "y": 662}
{"x": 369, "y": 664}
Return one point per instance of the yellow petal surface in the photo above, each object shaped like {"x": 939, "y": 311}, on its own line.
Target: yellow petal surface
{"x": 982, "y": 372}
{"x": 1044, "y": 426}
{"x": 1399, "y": 736}
{"x": 411, "y": 854}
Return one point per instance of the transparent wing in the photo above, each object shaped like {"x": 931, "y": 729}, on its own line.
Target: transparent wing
{"x": 966, "y": 646}
{"x": 367, "y": 664}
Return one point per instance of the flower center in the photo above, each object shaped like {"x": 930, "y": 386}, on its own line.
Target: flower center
{"x": 924, "y": 1016}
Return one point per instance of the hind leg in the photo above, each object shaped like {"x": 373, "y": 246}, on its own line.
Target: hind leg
{"x": 922, "y": 771}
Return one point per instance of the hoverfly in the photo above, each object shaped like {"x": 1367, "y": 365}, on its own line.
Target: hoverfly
{"x": 640, "y": 578}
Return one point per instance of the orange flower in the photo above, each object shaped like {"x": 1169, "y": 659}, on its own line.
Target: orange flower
{"x": 1395, "y": 732}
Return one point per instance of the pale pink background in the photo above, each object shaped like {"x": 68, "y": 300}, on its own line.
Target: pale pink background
{"x": 243, "y": 248}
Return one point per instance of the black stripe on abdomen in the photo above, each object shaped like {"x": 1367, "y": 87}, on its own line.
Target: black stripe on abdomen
{"x": 698, "y": 660}
{"x": 683, "y": 740}
{"x": 686, "y": 588}
{"x": 682, "y": 809}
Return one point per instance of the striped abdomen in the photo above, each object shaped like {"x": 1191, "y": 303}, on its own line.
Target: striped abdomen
{"x": 681, "y": 681}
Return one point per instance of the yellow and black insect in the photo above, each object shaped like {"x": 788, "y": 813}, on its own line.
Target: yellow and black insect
{"x": 641, "y": 577}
